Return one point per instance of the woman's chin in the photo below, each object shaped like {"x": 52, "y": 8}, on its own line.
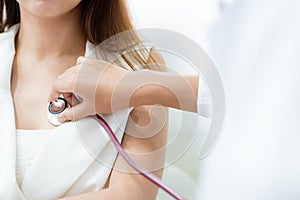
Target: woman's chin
{"x": 49, "y": 8}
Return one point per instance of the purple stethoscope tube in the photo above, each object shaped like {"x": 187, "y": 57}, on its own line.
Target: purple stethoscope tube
{"x": 133, "y": 164}
{"x": 58, "y": 106}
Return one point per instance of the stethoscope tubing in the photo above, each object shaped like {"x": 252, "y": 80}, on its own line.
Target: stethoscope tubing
{"x": 152, "y": 178}
{"x": 52, "y": 117}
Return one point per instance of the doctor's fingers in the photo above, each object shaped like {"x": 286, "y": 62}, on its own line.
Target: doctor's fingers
{"x": 74, "y": 113}
{"x": 86, "y": 70}
{"x": 65, "y": 83}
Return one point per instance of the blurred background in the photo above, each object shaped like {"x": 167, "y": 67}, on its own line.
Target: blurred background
{"x": 255, "y": 45}
{"x": 176, "y": 16}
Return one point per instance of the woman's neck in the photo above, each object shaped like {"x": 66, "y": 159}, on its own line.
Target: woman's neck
{"x": 44, "y": 38}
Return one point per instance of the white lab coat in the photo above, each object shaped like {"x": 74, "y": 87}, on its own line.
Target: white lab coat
{"x": 77, "y": 158}
{"x": 256, "y": 48}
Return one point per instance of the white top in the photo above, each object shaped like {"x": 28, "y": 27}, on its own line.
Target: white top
{"x": 29, "y": 144}
{"x": 76, "y": 159}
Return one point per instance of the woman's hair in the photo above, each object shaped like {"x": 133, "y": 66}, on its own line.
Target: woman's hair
{"x": 101, "y": 19}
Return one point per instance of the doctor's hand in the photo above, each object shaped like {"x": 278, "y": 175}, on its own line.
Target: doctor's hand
{"x": 90, "y": 81}
{"x": 102, "y": 88}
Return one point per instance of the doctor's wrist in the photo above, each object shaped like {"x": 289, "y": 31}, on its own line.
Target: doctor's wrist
{"x": 169, "y": 90}
{"x": 152, "y": 90}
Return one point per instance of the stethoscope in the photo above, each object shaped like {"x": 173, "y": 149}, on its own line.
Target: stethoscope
{"x": 58, "y": 106}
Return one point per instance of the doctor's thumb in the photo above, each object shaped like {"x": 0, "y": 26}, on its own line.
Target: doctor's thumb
{"x": 71, "y": 114}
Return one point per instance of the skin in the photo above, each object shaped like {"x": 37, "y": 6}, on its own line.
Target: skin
{"x": 38, "y": 63}
{"x": 118, "y": 88}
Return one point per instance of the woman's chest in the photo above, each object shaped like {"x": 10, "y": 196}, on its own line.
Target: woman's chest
{"x": 30, "y": 87}
{"x": 30, "y": 107}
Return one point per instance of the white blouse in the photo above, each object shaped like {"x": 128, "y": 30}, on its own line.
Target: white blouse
{"x": 29, "y": 144}
{"x": 76, "y": 158}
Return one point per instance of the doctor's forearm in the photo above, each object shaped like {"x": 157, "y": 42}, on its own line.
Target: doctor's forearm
{"x": 169, "y": 90}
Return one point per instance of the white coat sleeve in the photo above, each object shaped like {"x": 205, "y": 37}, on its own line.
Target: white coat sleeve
{"x": 204, "y": 104}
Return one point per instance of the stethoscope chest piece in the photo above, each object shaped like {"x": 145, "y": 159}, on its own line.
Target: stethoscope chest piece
{"x": 54, "y": 109}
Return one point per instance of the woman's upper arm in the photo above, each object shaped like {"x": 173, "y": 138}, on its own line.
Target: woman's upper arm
{"x": 145, "y": 141}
